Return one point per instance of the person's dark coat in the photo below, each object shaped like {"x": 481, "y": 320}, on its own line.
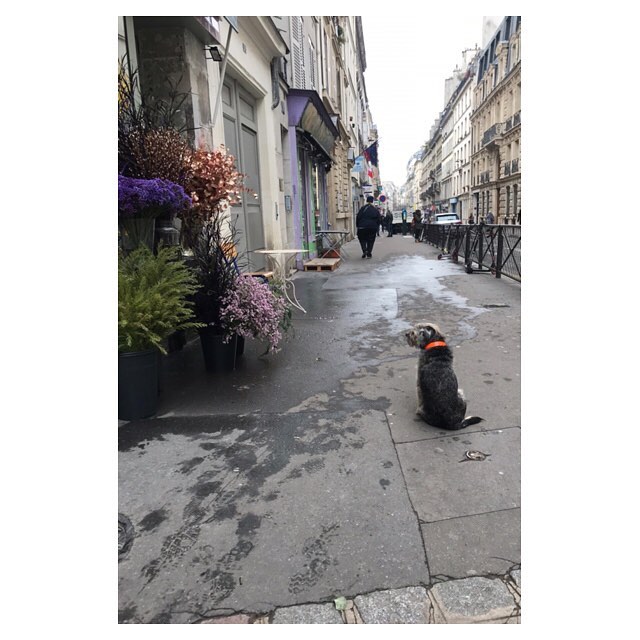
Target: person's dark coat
{"x": 368, "y": 217}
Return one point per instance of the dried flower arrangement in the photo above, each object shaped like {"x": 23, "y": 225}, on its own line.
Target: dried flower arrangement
{"x": 214, "y": 183}
{"x": 141, "y": 198}
{"x": 252, "y": 310}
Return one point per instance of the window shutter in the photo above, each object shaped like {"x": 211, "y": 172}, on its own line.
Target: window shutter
{"x": 297, "y": 52}
{"x": 312, "y": 66}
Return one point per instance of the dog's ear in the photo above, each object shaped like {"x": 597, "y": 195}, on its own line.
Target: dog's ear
{"x": 427, "y": 332}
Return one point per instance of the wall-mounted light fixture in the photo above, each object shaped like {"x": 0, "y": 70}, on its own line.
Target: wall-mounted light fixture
{"x": 216, "y": 56}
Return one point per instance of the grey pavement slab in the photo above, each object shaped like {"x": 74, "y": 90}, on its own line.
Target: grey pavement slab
{"x": 443, "y": 484}
{"x": 308, "y": 614}
{"x": 410, "y": 605}
{"x": 472, "y": 600}
{"x": 488, "y": 543}
{"x": 256, "y": 512}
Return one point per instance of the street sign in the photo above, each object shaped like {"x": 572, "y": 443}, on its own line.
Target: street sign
{"x": 383, "y": 198}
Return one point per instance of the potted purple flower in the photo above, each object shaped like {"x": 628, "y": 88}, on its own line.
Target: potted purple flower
{"x": 140, "y": 202}
{"x": 251, "y": 309}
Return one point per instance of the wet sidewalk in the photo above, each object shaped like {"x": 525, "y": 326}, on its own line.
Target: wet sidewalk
{"x": 302, "y": 488}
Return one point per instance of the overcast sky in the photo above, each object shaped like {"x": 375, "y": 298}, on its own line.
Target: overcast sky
{"x": 406, "y": 69}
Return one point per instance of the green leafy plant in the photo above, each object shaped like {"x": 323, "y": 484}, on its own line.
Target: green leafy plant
{"x": 153, "y": 298}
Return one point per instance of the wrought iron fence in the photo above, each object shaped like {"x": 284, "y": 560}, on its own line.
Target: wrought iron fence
{"x": 493, "y": 248}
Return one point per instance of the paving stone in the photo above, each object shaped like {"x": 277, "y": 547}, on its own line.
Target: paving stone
{"x": 395, "y": 606}
{"x": 472, "y": 600}
{"x": 515, "y": 576}
{"x": 308, "y": 614}
{"x": 240, "y": 618}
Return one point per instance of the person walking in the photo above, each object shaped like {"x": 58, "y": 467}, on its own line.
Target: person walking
{"x": 489, "y": 218}
{"x": 367, "y": 221}
{"x": 389, "y": 219}
{"x": 417, "y": 225}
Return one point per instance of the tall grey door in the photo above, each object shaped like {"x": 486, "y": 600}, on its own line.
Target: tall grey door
{"x": 241, "y": 139}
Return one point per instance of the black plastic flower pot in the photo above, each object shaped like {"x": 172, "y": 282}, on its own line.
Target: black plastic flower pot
{"x": 219, "y": 356}
{"x": 137, "y": 384}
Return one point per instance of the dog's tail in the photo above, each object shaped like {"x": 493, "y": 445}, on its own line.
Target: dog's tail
{"x": 469, "y": 420}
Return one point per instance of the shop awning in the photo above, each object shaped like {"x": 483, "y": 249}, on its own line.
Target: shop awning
{"x": 307, "y": 112}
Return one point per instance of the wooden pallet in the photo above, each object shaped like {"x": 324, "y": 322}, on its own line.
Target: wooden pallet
{"x": 322, "y": 264}
{"x": 257, "y": 274}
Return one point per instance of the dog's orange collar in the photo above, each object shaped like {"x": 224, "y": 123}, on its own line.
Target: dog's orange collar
{"x": 438, "y": 343}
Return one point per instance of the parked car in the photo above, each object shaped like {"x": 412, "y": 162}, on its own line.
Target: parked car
{"x": 446, "y": 218}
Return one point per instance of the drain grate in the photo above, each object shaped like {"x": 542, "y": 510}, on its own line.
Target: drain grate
{"x": 496, "y": 305}
{"x": 125, "y": 536}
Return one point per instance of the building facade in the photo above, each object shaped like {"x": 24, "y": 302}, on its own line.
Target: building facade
{"x": 495, "y": 124}
{"x": 471, "y": 162}
{"x": 461, "y": 114}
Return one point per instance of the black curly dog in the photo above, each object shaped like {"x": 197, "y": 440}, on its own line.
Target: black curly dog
{"x": 440, "y": 402}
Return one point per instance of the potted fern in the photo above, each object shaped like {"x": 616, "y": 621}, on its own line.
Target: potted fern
{"x": 153, "y": 292}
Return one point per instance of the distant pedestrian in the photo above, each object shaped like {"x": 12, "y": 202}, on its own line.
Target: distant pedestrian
{"x": 490, "y": 218}
{"x": 470, "y": 219}
{"x": 389, "y": 219}
{"x": 367, "y": 222}
{"x": 417, "y": 225}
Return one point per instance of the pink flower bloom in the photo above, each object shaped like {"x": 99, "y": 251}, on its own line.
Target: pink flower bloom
{"x": 251, "y": 309}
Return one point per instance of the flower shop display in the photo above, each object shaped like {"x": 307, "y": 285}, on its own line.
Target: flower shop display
{"x": 251, "y": 309}
{"x": 142, "y": 200}
{"x": 152, "y": 143}
{"x": 153, "y": 292}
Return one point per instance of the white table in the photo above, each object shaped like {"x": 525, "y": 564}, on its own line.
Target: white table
{"x": 335, "y": 239}
{"x": 280, "y": 260}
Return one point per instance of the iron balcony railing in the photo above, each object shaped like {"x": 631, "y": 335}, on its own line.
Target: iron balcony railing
{"x": 493, "y": 248}
{"x": 492, "y": 132}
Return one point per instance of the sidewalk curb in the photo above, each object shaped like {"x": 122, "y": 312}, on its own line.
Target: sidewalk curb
{"x": 474, "y": 600}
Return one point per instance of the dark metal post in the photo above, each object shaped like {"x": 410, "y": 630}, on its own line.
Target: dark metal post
{"x": 467, "y": 245}
{"x": 499, "y": 252}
